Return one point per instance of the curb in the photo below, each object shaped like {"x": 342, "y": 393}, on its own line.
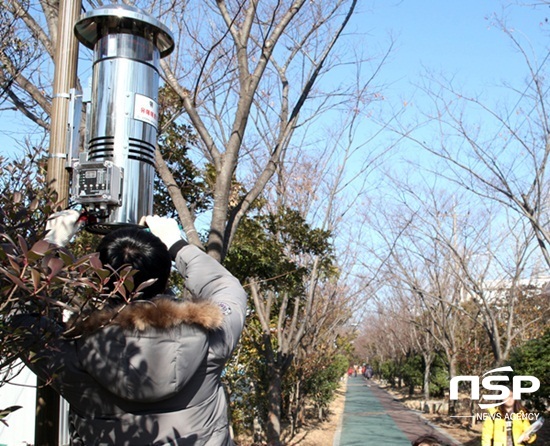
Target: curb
{"x": 338, "y": 433}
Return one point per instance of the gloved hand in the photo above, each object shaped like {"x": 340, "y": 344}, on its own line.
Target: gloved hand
{"x": 62, "y": 226}
{"x": 166, "y": 229}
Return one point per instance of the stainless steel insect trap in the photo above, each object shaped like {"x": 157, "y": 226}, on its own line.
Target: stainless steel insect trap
{"x": 113, "y": 176}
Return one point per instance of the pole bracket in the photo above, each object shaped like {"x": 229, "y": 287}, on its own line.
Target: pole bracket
{"x": 58, "y": 155}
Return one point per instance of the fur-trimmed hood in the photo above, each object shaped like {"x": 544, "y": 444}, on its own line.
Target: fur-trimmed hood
{"x": 162, "y": 312}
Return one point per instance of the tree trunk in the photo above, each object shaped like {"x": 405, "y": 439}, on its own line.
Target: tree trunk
{"x": 452, "y": 373}
{"x": 274, "y": 404}
{"x": 427, "y": 372}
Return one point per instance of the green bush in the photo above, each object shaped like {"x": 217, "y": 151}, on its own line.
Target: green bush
{"x": 388, "y": 370}
{"x": 533, "y": 358}
{"x": 37, "y": 278}
{"x": 413, "y": 372}
{"x": 439, "y": 378}
{"x": 320, "y": 387}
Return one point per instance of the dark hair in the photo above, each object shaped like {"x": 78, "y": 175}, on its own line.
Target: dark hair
{"x": 141, "y": 250}
{"x": 516, "y": 408}
{"x": 427, "y": 440}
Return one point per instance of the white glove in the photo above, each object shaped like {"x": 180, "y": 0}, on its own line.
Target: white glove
{"x": 166, "y": 229}
{"x": 62, "y": 226}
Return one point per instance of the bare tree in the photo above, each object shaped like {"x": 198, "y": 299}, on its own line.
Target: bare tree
{"x": 419, "y": 269}
{"x": 320, "y": 189}
{"x": 498, "y": 151}
{"x": 283, "y": 339}
{"x": 454, "y": 254}
{"x": 497, "y": 287}
{"x": 23, "y": 63}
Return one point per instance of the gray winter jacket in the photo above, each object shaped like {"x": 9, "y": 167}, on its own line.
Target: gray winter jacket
{"x": 151, "y": 375}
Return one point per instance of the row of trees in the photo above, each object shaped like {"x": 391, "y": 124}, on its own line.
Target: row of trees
{"x": 464, "y": 246}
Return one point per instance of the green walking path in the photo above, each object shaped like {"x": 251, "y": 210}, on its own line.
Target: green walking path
{"x": 373, "y": 417}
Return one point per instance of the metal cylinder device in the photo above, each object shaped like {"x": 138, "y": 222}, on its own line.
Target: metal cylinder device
{"x": 114, "y": 179}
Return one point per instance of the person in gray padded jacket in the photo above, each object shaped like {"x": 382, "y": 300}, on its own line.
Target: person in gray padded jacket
{"x": 148, "y": 372}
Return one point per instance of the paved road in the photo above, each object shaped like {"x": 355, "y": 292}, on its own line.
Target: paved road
{"x": 373, "y": 417}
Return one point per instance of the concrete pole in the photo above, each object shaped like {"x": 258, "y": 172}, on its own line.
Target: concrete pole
{"x": 66, "y": 60}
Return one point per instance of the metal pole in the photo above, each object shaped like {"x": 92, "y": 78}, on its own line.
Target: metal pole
{"x": 46, "y": 431}
{"x": 66, "y": 59}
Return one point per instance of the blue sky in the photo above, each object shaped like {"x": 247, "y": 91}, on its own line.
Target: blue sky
{"x": 456, "y": 37}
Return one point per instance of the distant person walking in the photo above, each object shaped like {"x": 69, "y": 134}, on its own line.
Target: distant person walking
{"x": 369, "y": 372}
